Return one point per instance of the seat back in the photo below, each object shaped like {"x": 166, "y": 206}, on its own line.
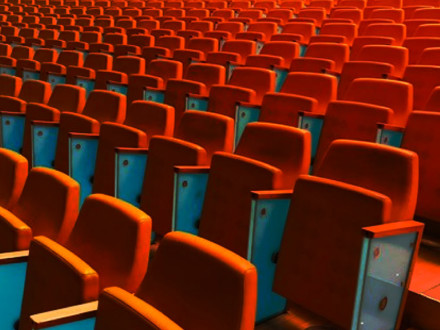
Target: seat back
{"x": 319, "y": 86}
{"x": 165, "y": 69}
{"x": 10, "y": 85}
{"x": 129, "y": 64}
{"x": 68, "y": 98}
{"x": 350, "y": 120}
{"x": 118, "y": 249}
{"x": 167, "y": 286}
{"x": 396, "y": 95}
{"x": 327, "y": 212}
{"x": 13, "y": 174}
{"x": 355, "y": 162}
{"x": 151, "y": 117}
{"x": 395, "y": 31}
{"x": 212, "y": 131}
{"x": 35, "y": 91}
{"x": 262, "y": 81}
{"x": 339, "y": 53}
{"x": 98, "y": 61}
{"x": 423, "y": 78}
{"x": 303, "y": 29}
{"x": 394, "y": 55}
{"x": 70, "y": 57}
{"x": 422, "y": 136}
{"x": 22, "y": 52}
{"x": 105, "y": 106}
{"x": 208, "y": 74}
{"x": 416, "y": 46}
{"x": 228, "y": 202}
{"x": 49, "y": 204}
{"x": 260, "y": 140}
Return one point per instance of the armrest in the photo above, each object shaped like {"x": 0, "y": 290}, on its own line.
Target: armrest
{"x": 14, "y": 257}
{"x": 313, "y": 123}
{"x": 12, "y": 130}
{"x": 64, "y": 315}
{"x": 269, "y": 210}
{"x": 393, "y": 229}
{"x": 83, "y": 150}
{"x": 190, "y": 184}
{"x": 272, "y": 194}
{"x": 129, "y": 173}
{"x": 245, "y": 113}
{"x": 389, "y": 135}
{"x": 154, "y": 94}
{"x": 12, "y": 274}
{"x": 15, "y": 235}
{"x": 197, "y": 102}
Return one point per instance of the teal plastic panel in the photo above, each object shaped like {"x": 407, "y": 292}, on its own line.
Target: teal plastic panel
{"x": 118, "y": 88}
{"x": 44, "y": 145}
{"x": 314, "y": 126}
{"x": 268, "y": 219}
{"x": 243, "y": 116}
{"x": 384, "y": 271}
{"x": 87, "y": 84}
{"x": 82, "y": 160}
{"x": 58, "y": 50}
{"x": 231, "y": 68}
{"x": 36, "y": 47}
{"x": 55, "y": 79}
{"x": 389, "y": 137}
{"x": 196, "y": 103}
{"x": 189, "y": 196}
{"x": 86, "y": 324}
{"x": 31, "y": 75}
{"x": 12, "y": 131}
{"x": 302, "y": 50}
{"x": 8, "y": 70}
{"x": 129, "y": 176}
{"x": 260, "y": 45}
{"x": 281, "y": 75}
{"x": 154, "y": 96}
{"x": 12, "y": 279}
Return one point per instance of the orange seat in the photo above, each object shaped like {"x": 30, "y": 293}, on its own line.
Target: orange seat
{"x": 234, "y": 51}
{"x": 197, "y": 137}
{"x": 48, "y": 205}
{"x": 274, "y": 54}
{"x": 423, "y": 78}
{"x": 156, "y": 302}
{"x": 97, "y": 254}
{"x": 355, "y": 162}
{"x": 296, "y": 31}
{"x": 416, "y": 46}
{"x": 338, "y": 53}
{"x": 13, "y": 173}
{"x": 101, "y": 106}
{"x": 347, "y": 30}
{"x": 31, "y": 91}
{"x": 396, "y": 95}
{"x": 393, "y": 55}
{"x": 10, "y": 85}
{"x": 395, "y": 31}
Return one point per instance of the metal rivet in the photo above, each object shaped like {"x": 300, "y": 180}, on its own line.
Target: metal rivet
{"x": 78, "y": 146}
{"x": 40, "y": 133}
{"x": 243, "y": 115}
{"x": 263, "y": 211}
{"x": 7, "y": 122}
{"x": 52, "y": 80}
{"x": 383, "y": 303}
{"x": 125, "y": 162}
{"x": 385, "y": 139}
{"x": 193, "y": 105}
{"x": 306, "y": 126}
{"x": 184, "y": 183}
{"x": 376, "y": 253}
{"x": 81, "y": 85}
{"x": 150, "y": 98}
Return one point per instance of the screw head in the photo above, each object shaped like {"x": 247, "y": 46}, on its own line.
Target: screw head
{"x": 40, "y": 133}
{"x": 376, "y": 253}
{"x": 383, "y": 303}
{"x": 185, "y": 184}
{"x": 78, "y": 146}
{"x": 125, "y": 162}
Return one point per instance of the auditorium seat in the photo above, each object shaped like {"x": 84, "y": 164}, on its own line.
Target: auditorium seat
{"x": 48, "y": 205}
{"x": 233, "y": 51}
{"x": 350, "y": 120}
{"x": 395, "y": 31}
{"x": 96, "y": 255}
{"x": 395, "y": 55}
{"x": 65, "y": 59}
{"x": 232, "y": 178}
{"x": 274, "y": 54}
{"x": 92, "y": 63}
{"x": 423, "y": 78}
{"x": 40, "y": 56}
{"x": 225, "y": 30}
{"x": 163, "y": 47}
{"x": 396, "y": 95}
{"x": 13, "y": 174}
{"x": 355, "y": 162}
{"x": 198, "y": 136}
{"x": 259, "y": 31}
{"x": 296, "y": 31}
{"x": 10, "y": 85}
{"x": 123, "y": 66}
{"x": 185, "y": 264}
{"x": 416, "y": 46}
{"x": 346, "y": 30}
{"x": 319, "y": 86}
{"x": 433, "y": 103}
{"x": 362, "y": 41}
